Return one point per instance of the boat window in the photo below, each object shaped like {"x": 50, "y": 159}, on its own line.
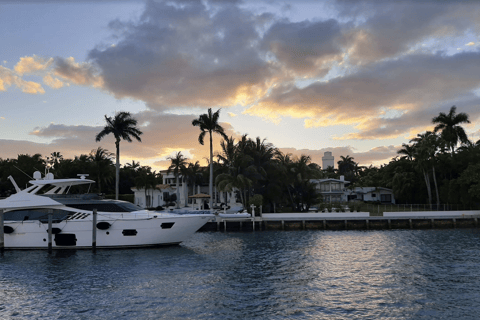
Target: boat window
{"x": 36, "y": 214}
{"x": 167, "y": 225}
{"x": 106, "y": 207}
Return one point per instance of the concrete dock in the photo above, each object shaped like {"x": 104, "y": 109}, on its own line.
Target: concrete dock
{"x": 349, "y": 221}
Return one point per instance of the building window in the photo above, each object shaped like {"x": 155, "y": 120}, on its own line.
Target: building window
{"x": 386, "y": 197}
{"x": 374, "y": 195}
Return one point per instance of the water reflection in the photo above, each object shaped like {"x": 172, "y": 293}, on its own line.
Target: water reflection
{"x": 409, "y": 274}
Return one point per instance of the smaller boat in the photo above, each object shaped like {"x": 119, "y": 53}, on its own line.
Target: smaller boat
{"x": 119, "y": 224}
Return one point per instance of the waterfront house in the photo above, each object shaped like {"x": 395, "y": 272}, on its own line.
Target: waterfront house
{"x": 377, "y": 194}
{"x": 162, "y": 194}
{"x": 335, "y": 190}
{"x": 153, "y": 197}
{"x": 332, "y": 190}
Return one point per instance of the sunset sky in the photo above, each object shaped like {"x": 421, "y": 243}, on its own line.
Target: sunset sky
{"x": 356, "y": 78}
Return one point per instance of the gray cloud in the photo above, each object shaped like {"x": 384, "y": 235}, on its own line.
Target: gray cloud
{"x": 184, "y": 56}
{"x": 413, "y": 85}
{"x": 305, "y": 48}
{"x": 386, "y": 29}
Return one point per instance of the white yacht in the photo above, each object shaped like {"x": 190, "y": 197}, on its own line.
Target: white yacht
{"x": 118, "y": 223}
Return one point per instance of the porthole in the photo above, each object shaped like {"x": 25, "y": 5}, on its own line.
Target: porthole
{"x": 8, "y": 229}
{"x": 129, "y": 232}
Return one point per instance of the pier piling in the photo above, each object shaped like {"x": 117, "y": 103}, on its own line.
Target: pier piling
{"x": 50, "y": 221}
{"x": 94, "y": 230}
{"x": 2, "y": 233}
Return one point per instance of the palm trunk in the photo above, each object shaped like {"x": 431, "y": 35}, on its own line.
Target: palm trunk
{"x": 241, "y": 199}
{"x": 210, "y": 187}
{"x": 185, "y": 192}
{"x": 178, "y": 191}
{"x": 436, "y": 187}
{"x": 146, "y": 202}
{"x": 117, "y": 169}
{"x": 429, "y": 189}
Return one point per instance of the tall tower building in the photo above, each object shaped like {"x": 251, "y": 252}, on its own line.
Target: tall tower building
{"x": 328, "y": 160}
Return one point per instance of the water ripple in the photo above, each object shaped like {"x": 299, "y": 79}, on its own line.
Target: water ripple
{"x": 405, "y": 274}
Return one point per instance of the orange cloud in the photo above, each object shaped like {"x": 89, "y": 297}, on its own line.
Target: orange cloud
{"x": 32, "y": 64}
{"x": 52, "y": 82}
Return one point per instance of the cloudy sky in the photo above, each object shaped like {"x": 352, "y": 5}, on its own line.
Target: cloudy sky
{"x": 356, "y": 78}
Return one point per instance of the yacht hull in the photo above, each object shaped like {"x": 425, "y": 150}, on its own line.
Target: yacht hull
{"x": 113, "y": 233}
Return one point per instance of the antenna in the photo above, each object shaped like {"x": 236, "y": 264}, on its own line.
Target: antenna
{"x": 14, "y": 183}
{"x": 22, "y": 171}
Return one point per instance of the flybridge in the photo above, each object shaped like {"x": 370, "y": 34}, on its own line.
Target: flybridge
{"x": 60, "y": 186}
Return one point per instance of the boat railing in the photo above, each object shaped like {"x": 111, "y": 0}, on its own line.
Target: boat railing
{"x": 85, "y": 196}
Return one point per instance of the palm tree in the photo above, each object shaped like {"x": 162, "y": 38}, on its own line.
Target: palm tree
{"x": 208, "y": 122}
{"x": 425, "y": 149}
{"x": 348, "y": 167}
{"x": 178, "y": 164}
{"x": 408, "y": 151}
{"x": 101, "y": 160}
{"x": 56, "y": 157}
{"x": 146, "y": 179}
{"x": 122, "y": 126}
{"x": 449, "y": 124}
{"x": 192, "y": 174}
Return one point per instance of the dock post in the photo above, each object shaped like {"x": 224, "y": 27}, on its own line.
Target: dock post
{"x": 476, "y": 223}
{"x": 410, "y": 223}
{"x": 389, "y": 224}
{"x": 303, "y": 223}
{"x": 50, "y": 218}
{"x": 2, "y": 233}
{"x": 345, "y": 224}
{"x": 253, "y": 216}
{"x": 94, "y": 230}
{"x": 324, "y": 224}
{"x": 224, "y": 225}
{"x": 454, "y": 223}
{"x": 218, "y": 225}
{"x": 366, "y": 224}
{"x": 283, "y": 225}
{"x": 433, "y": 223}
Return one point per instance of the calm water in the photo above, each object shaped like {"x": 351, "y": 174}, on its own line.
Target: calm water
{"x": 418, "y": 274}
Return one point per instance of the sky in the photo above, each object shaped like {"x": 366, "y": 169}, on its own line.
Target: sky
{"x": 356, "y": 78}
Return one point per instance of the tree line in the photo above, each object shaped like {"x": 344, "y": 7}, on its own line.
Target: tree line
{"x": 436, "y": 167}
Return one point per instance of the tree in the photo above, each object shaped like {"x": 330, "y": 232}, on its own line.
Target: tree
{"x": 102, "y": 161}
{"x": 123, "y": 127}
{"x": 408, "y": 151}
{"x": 425, "y": 148}
{"x": 192, "y": 174}
{"x": 348, "y": 167}
{"x": 178, "y": 164}
{"x": 56, "y": 157}
{"x": 208, "y": 123}
{"x": 146, "y": 179}
{"x": 449, "y": 124}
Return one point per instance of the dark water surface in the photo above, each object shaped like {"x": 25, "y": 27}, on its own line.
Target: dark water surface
{"x": 405, "y": 274}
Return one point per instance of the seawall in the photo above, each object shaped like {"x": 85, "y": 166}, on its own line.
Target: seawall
{"x": 349, "y": 221}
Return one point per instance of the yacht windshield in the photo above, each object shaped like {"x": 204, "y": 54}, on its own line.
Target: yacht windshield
{"x": 106, "y": 206}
